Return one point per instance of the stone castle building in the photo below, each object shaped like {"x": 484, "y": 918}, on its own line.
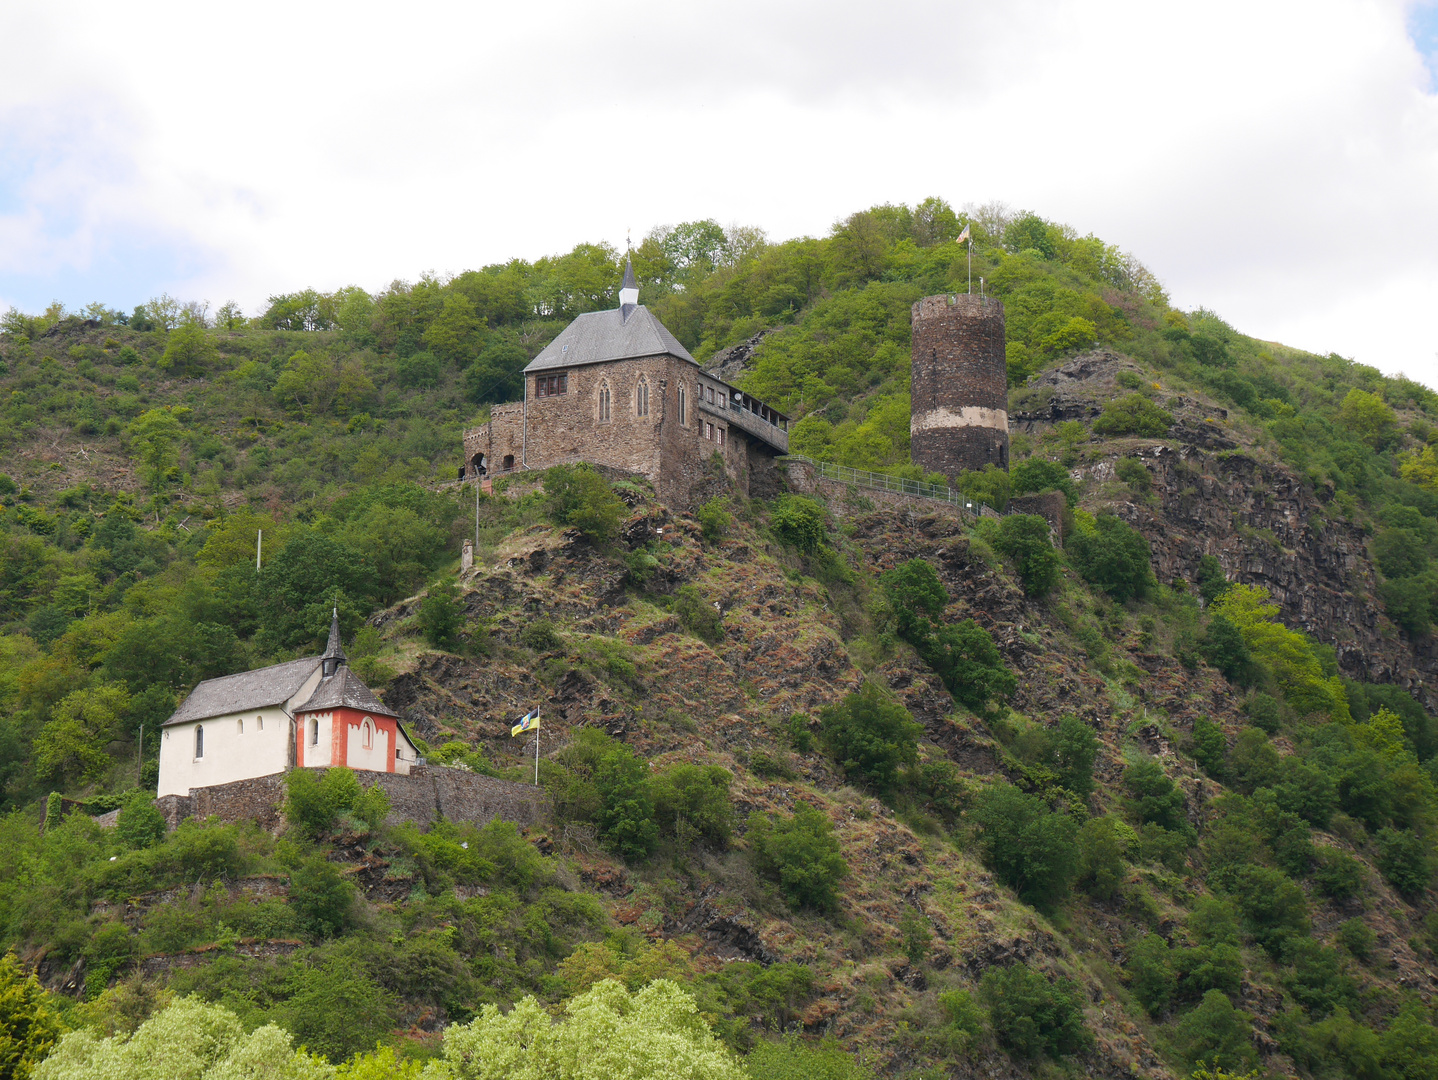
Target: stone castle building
{"x": 308, "y": 713}
{"x": 616, "y": 388}
{"x": 959, "y": 389}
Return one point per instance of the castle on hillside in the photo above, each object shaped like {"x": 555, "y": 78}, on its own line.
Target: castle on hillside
{"x": 616, "y": 388}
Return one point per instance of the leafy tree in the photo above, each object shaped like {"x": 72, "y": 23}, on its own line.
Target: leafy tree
{"x": 72, "y": 745}
{"x": 316, "y": 805}
{"x": 1151, "y": 974}
{"x": 1405, "y": 860}
{"x": 1031, "y": 1015}
{"x": 715, "y": 519}
{"x": 154, "y": 433}
{"x": 1157, "y": 799}
{"x": 801, "y": 854}
{"x": 1133, "y": 414}
{"x": 1025, "y": 539}
{"x": 29, "y": 1024}
{"x": 189, "y": 352}
{"x": 321, "y": 897}
{"x": 693, "y": 801}
{"x": 1103, "y": 847}
{"x": 1033, "y": 475}
{"x": 1113, "y": 557}
{"x": 654, "y": 1034}
{"x": 970, "y": 664}
{"x": 1209, "y": 745}
{"x": 917, "y": 596}
{"x": 1316, "y": 976}
{"x": 1274, "y": 909}
{"x": 187, "y": 1038}
{"x": 454, "y": 331}
{"x": 580, "y": 498}
{"x": 1368, "y": 417}
{"x": 626, "y": 813}
{"x": 1284, "y": 652}
{"x": 1029, "y": 848}
{"x": 1211, "y": 580}
{"x": 441, "y": 615}
{"x": 1217, "y": 1035}
{"x": 1075, "y": 747}
{"x": 871, "y": 737}
{"x": 794, "y": 1059}
{"x": 140, "y": 824}
{"x": 798, "y": 523}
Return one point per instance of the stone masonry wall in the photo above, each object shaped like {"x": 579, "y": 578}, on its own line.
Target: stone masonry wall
{"x": 959, "y": 411}
{"x": 567, "y": 427}
{"x": 428, "y": 793}
{"x": 843, "y": 499}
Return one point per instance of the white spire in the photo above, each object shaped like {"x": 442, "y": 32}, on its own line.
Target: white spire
{"x": 629, "y": 290}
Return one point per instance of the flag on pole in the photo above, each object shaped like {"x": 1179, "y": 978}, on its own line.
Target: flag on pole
{"x": 528, "y": 722}
{"x": 963, "y": 235}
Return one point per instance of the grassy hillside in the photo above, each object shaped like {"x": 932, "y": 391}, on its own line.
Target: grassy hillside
{"x": 1019, "y": 810}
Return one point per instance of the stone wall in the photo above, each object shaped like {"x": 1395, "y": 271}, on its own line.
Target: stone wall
{"x": 848, "y": 500}
{"x": 428, "y": 793}
{"x": 959, "y": 395}
{"x": 1049, "y": 505}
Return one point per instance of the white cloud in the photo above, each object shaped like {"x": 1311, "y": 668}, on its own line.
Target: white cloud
{"x": 1275, "y": 162}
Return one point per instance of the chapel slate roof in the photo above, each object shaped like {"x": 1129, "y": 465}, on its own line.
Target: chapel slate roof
{"x": 257, "y": 689}
{"x": 610, "y": 335}
{"x": 343, "y": 689}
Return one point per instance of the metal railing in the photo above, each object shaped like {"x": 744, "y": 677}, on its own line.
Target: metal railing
{"x": 884, "y": 482}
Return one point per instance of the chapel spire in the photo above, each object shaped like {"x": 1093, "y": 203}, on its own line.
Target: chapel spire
{"x": 334, "y": 654}
{"x": 629, "y": 291}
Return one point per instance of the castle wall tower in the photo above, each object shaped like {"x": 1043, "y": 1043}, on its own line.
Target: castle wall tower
{"x": 959, "y": 394}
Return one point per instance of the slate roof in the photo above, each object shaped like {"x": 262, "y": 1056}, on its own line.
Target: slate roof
{"x": 610, "y": 335}
{"x": 343, "y": 689}
{"x": 629, "y": 282}
{"x": 248, "y": 690}
{"x": 333, "y": 651}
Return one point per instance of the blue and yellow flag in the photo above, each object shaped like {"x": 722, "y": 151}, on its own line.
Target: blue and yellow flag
{"x": 528, "y": 722}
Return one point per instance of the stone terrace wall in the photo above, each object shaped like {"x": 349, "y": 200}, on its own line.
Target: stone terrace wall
{"x": 428, "y": 793}
{"x": 845, "y": 499}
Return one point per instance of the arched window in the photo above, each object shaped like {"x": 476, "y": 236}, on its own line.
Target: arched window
{"x": 366, "y": 735}
{"x": 240, "y": 726}
{"x": 259, "y": 723}
{"x": 683, "y": 412}
{"x": 604, "y": 403}
{"x": 314, "y": 732}
{"x": 641, "y": 399}
{"x": 199, "y": 741}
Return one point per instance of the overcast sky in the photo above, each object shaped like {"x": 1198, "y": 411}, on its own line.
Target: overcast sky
{"x": 1276, "y": 162}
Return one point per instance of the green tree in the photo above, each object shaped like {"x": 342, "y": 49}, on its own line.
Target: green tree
{"x": 140, "y": 824}
{"x": 653, "y": 1034}
{"x": 189, "y": 352}
{"x": 626, "y": 814}
{"x": 1075, "y": 747}
{"x": 1209, "y": 746}
{"x": 1211, "y": 580}
{"x": 871, "y": 737}
{"x": 1157, "y": 799}
{"x": 1151, "y": 974}
{"x": 1405, "y": 860}
{"x": 72, "y": 745}
{"x": 154, "y": 434}
{"x": 1034, "y": 475}
{"x": 1133, "y": 414}
{"x": 29, "y": 1024}
{"x": 1033, "y": 1016}
{"x": 1217, "y": 1035}
{"x": 693, "y": 801}
{"x": 1113, "y": 557}
{"x": 1103, "y": 846}
{"x": 697, "y": 615}
{"x": 801, "y": 854}
{"x": 970, "y": 664}
{"x": 1029, "y": 848}
{"x": 321, "y": 897}
{"x": 441, "y": 615}
{"x": 454, "y": 332}
{"x": 582, "y": 499}
{"x": 798, "y": 523}
{"x": 1025, "y": 539}
{"x": 1368, "y": 417}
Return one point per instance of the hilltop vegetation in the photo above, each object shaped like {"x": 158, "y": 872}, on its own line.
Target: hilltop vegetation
{"x": 959, "y": 797}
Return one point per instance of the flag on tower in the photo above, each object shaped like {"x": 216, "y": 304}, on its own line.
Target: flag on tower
{"x": 963, "y": 235}
{"x": 528, "y": 722}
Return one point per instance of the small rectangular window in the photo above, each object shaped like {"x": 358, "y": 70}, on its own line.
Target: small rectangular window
{"x": 721, "y": 436}
{"x": 683, "y": 418}
{"x": 710, "y": 392}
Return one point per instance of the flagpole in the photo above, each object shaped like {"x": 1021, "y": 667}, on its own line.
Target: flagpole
{"x": 536, "y": 755}
{"x": 971, "y": 266}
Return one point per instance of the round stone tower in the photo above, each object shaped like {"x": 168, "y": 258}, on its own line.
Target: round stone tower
{"x": 959, "y": 396}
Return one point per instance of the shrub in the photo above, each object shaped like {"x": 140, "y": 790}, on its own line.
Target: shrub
{"x": 1025, "y": 539}
{"x": 580, "y": 498}
{"x": 1337, "y": 876}
{"x": 1034, "y": 475}
{"x": 1032, "y": 1016}
{"x": 1157, "y": 799}
{"x": 970, "y": 664}
{"x": 697, "y": 615}
{"x": 626, "y": 813}
{"x": 1133, "y": 414}
{"x": 918, "y": 598}
{"x": 798, "y": 523}
{"x": 793, "y": 1059}
{"x": 140, "y": 824}
{"x": 870, "y": 736}
{"x": 1315, "y": 976}
{"x": 1151, "y": 975}
{"x": 1404, "y": 860}
{"x": 29, "y": 1025}
{"x": 915, "y": 937}
{"x": 1074, "y": 749}
{"x": 541, "y": 635}
{"x": 692, "y": 801}
{"x": 990, "y": 486}
{"x": 1357, "y": 937}
{"x": 1211, "y": 580}
{"x": 1223, "y": 647}
{"x": 1103, "y": 847}
{"x": 441, "y": 614}
{"x": 1112, "y": 557}
{"x": 801, "y": 853}
{"x": 715, "y": 519}
{"x": 1135, "y": 474}
{"x": 1262, "y": 713}
{"x": 1209, "y": 746}
{"x": 321, "y": 897}
{"x": 314, "y": 806}
{"x": 1029, "y": 848}
{"x": 1274, "y": 909}
{"x": 964, "y": 1018}
{"x": 1217, "y": 1035}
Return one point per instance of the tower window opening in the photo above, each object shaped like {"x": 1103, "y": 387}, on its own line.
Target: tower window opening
{"x": 683, "y": 415}
{"x": 641, "y": 399}
{"x": 604, "y": 404}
